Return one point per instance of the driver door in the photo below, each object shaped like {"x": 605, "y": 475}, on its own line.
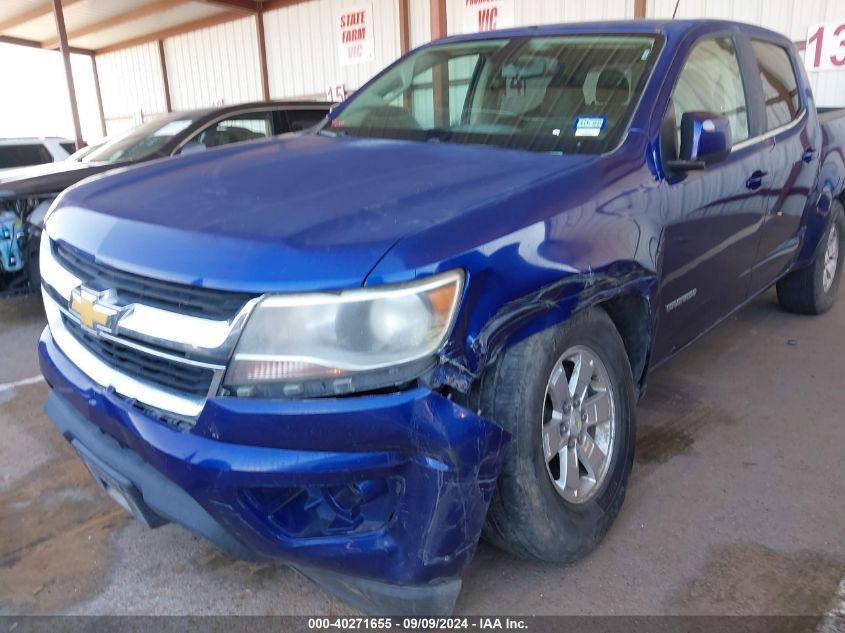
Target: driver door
{"x": 711, "y": 216}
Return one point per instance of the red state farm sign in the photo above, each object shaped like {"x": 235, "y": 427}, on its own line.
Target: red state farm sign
{"x": 487, "y": 15}
{"x": 356, "y": 42}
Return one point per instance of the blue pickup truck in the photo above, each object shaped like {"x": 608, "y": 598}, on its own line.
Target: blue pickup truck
{"x": 357, "y": 349}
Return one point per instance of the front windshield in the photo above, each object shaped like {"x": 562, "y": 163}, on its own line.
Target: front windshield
{"x": 140, "y": 142}
{"x": 572, "y": 94}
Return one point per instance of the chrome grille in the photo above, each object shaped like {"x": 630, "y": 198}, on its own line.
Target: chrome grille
{"x": 166, "y": 351}
{"x": 200, "y": 302}
{"x": 165, "y": 372}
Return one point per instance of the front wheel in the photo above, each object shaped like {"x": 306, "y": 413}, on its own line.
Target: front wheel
{"x": 566, "y": 396}
{"x": 812, "y": 290}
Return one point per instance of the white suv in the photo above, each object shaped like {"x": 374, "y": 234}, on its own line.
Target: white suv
{"x": 20, "y": 152}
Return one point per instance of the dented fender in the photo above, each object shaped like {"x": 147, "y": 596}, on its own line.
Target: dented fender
{"x": 550, "y": 306}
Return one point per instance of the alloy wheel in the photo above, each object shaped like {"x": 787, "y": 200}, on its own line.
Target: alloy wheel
{"x": 579, "y": 425}
{"x": 831, "y": 258}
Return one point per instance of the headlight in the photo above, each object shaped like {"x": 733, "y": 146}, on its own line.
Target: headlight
{"x": 322, "y": 344}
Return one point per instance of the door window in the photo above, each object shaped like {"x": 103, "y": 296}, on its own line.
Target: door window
{"x": 243, "y": 127}
{"x": 299, "y": 120}
{"x": 711, "y": 82}
{"x": 22, "y": 155}
{"x": 780, "y": 85}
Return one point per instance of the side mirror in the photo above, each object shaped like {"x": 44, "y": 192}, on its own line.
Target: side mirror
{"x": 192, "y": 148}
{"x": 705, "y": 140}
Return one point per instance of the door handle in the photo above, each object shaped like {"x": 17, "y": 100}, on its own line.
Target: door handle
{"x": 808, "y": 155}
{"x": 756, "y": 180}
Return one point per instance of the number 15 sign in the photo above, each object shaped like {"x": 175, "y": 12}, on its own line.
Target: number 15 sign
{"x": 825, "y": 47}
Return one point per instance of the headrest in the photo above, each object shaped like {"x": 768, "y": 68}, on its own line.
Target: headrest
{"x": 612, "y": 87}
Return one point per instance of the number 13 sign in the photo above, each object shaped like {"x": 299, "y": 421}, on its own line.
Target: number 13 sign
{"x": 826, "y": 47}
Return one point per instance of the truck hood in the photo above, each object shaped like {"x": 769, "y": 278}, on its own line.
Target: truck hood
{"x": 286, "y": 214}
{"x": 48, "y": 179}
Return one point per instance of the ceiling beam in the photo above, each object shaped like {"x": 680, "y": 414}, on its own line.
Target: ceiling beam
{"x": 118, "y": 19}
{"x": 270, "y": 5}
{"x": 181, "y": 29}
{"x": 35, "y": 13}
{"x": 247, "y": 6}
{"x": 19, "y": 41}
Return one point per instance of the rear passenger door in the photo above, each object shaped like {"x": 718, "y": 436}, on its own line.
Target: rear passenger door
{"x": 710, "y": 216}
{"x": 792, "y": 163}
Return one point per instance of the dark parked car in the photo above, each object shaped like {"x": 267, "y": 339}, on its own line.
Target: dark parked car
{"x": 26, "y": 193}
{"x": 354, "y": 350}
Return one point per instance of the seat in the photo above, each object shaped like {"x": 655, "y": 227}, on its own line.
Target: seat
{"x": 613, "y": 94}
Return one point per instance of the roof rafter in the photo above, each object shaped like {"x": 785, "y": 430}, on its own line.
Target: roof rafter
{"x": 19, "y": 41}
{"x": 33, "y": 14}
{"x": 247, "y": 6}
{"x": 213, "y": 20}
{"x": 118, "y": 19}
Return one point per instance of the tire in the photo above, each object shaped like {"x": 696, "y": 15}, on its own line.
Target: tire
{"x": 529, "y": 515}
{"x": 807, "y": 291}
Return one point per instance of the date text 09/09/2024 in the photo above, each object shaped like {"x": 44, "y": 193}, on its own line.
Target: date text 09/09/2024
{"x": 418, "y": 624}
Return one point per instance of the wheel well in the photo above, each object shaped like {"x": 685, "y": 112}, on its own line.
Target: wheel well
{"x": 631, "y": 316}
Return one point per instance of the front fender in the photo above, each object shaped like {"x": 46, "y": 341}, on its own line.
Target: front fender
{"x": 547, "y": 307}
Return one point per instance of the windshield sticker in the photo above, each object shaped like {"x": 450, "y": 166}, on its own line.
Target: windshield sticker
{"x": 589, "y": 125}
{"x": 172, "y": 129}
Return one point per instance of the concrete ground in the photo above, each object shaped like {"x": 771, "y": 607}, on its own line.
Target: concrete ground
{"x": 736, "y": 503}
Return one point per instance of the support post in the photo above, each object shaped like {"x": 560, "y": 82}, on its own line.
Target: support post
{"x": 438, "y": 19}
{"x": 440, "y": 73}
{"x": 63, "y": 46}
{"x": 404, "y": 26}
{"x": 640, "y": 9}
{"x": 164, "y": 80}
{"x": 99, "y": 95}
{"x": 262, "y": 54}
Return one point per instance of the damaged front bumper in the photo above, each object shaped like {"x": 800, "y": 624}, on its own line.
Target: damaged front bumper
{"x": 380, "y": 499}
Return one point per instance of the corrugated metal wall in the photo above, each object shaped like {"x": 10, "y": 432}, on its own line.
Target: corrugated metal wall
{"x": 790, "y": 17}
{"x": 216, "y": 65}
{"x": 530, "y": 12}
{"x": 420, "y": 21}
{"x": 302, "y": 58}
{"x": 219, "y": 64}
{"x": 131, "y": 86}
{"x": 551, "y": 11}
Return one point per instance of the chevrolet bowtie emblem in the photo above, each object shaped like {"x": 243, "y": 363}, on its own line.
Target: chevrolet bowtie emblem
{"x": 93, "y": 309}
